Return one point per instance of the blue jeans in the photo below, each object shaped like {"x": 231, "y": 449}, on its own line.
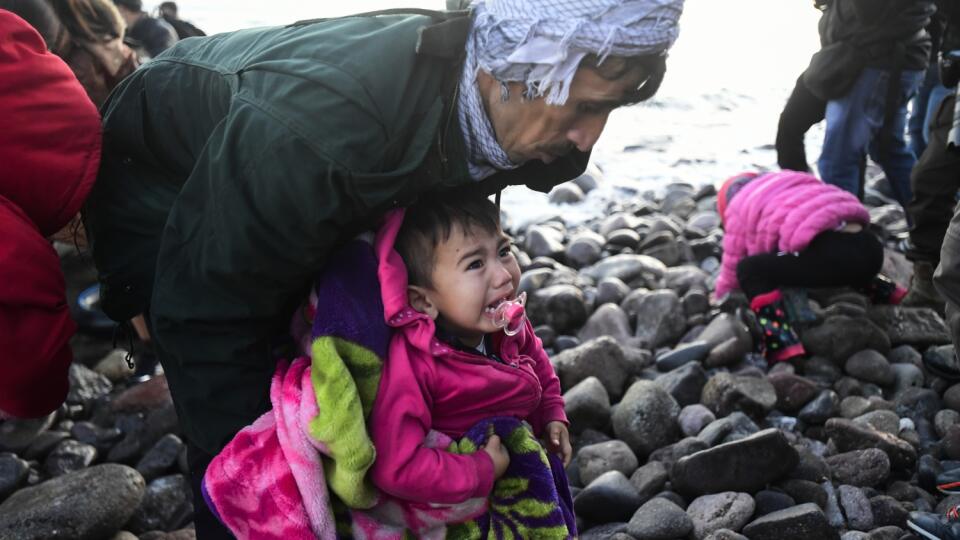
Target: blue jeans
{"x": 923, "y": 107}
{"x": 855, "y": 126}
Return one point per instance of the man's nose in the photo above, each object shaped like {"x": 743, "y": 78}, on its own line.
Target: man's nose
{"x": 585, "y": 133}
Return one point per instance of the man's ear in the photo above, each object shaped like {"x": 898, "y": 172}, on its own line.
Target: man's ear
{"x": 419, "y": 299}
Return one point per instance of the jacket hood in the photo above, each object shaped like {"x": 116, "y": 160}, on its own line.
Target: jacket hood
{"x": 729, "y": 189}
{"x": 392, "y": 272}
{"x": 50, "y": 149}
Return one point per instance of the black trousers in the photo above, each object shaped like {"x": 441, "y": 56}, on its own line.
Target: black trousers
{"x": 802, "y": 111}
{"x": 207, "y": 525}
{"x": 833, "y": 259}
{"x": 935, "y": 181}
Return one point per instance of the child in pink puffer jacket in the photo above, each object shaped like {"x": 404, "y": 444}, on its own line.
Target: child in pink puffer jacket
{"x": 789, "y": 229}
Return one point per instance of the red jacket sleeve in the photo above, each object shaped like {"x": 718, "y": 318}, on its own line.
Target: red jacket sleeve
{"x": 551, "y": 400}
{"x": 405, "y": 467}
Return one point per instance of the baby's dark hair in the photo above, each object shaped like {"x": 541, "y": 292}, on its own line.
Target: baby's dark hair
{"x": 430, "y": 221}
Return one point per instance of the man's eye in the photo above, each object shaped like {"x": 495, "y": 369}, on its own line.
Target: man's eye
{"x": 505, "y": 251}
{"x": 475, "y": 265}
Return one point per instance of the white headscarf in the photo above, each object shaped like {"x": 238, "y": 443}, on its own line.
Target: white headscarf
{"x": 540, "y": 43}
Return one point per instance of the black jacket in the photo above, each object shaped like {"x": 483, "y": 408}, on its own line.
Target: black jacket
{"x": 878, "y": 26}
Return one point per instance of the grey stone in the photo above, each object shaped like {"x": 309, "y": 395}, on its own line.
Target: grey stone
{"x": 590, "y": 179}
{"x": 660, "y": 319}
{"x": 854, "y": 406}
{"x": 920, "y": 327}
{"x": 682, "y": 279}
{"x": 560, "y": 306}
{"x": 802, "y": 522}
{"x": 87, "y": 505}
{"x": 848, "y": 435}
{"x": 584, "y": 249}
{"x": 646, "y": 418}
{"x": 840, "y": 336}
{"x": 611, "y": 290}
{"x": 886, "y": 421}
{"x": 684, "y": 383}
{"x": 659, "y": 519}
{"x": 887, "y": 511}
{"x": 669, "y": 454}
{"x": 793, "y": 391}
{"x": 917, "y": 403}
{"x": 832, "y": 508}
{"x": 69, "y": 456}
{"x": 165, "y": 504}
{"x": 725, "y": 393}
{"x": 86, "y": 385}
{"x": 864, "y": 468}
{"x": 821, "y": 408}
{"x": 649, "y": 479}
{"x": 607, "y": 320}
{"x": 769, "y": 501}
{"x": 870, "y": 366}
{"x": 856, "y": 506}
{"x": 602, "y": 358}
{"x": 161, "y": 458}
{"x": 17, "y": 435}
{"x": 746, "y": 465}
{"x": 604, "y": 532}
{"x": 543, "y": 241}
{"x": 730, "y": 428}
{"x": 597, "y": 459}
{"x": 587, "y": 405}
{"x": 13, "y": 474}
{"x": 43, "y": 444}
{"x": 693, "y": 418}
{"x": 944, "y": 419}
{"x": 728, "y": 510}
{"x": 566, "y": 193}
{"x": 626, "y": 267}
{"x": 100, "y": 438}
{"x": 906, "y": 376}
{"x": 609, "y": 497}
{"x": 628, "y": 238}
{"x": 694, "y": 351}
{"x": 726, "y": 534}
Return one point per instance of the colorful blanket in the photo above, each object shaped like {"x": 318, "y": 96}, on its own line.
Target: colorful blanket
{"x": 531, "y": 500}
{"x": 299, "y": 471}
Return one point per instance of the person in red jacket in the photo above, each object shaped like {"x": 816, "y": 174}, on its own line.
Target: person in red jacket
{"x": 49, "y": 155}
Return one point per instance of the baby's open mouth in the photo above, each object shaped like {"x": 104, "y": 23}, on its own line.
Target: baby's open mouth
{"x": 492, "y": 306}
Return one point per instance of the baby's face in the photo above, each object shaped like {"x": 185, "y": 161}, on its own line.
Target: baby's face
{"x": 473, "y": 273}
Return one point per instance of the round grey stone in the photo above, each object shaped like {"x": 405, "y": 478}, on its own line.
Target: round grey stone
{"x": 646, "y": 418}
{"x": 88, "y": 504}
{"x": 659, "y": 519}
{"x": 871, "y": 366}
{"x": 727, "y": 510}
{"x": 596, "y": 459}
{"x": 693, "y": 418}
{"x": 856, "y": 506}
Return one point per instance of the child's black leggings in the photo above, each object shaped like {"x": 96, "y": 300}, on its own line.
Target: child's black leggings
{"x": 833, "y": 259}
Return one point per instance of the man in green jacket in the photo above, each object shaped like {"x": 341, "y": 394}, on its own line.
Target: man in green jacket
{"x": 233, "y": 165}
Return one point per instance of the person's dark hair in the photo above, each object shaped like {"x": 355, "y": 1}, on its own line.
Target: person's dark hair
{"x": 132, "y": 5}
{"x": 92, "y": 21}
{"x": 430, "y": 222}
{"x": 40, "y": 16}
{"x": 170, "y": 7}
{"x": 613, "y": 68}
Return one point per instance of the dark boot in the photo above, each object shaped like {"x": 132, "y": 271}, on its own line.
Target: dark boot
{"x": 780, "y": 340}
{"x": 922, "y": 292}
{"x": 882, "y": 290}
{"x": 934, "y": 526}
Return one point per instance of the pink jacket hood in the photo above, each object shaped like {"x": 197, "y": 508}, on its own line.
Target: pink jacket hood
{"x": 781, "y": 212}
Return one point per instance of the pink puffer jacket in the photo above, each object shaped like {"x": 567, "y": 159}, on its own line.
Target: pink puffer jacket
{"x": 781, "y": 213}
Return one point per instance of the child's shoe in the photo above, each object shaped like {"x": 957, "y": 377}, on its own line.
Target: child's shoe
{"x": 934, "y": 526}
{"x": 780, "y": 340}
{"x": 882, "y": 290}
{"x": 949, "y": 482}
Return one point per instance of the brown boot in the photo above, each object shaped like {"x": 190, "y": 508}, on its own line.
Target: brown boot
{"x": 922, "y": 293}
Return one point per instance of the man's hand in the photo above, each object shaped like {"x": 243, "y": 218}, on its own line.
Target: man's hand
{"x": 558, "y": 441}
{"x": 499, "y": 455}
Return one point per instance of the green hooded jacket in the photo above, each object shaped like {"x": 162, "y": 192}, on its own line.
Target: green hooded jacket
{"x": 234, "y": 164}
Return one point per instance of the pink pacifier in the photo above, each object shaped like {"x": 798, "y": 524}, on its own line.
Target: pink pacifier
{"x": 510, "y": 315}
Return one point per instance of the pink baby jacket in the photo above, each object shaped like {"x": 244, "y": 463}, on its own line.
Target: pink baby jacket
{"x": 781, "y": 213}
{"x": 429, "y": 385}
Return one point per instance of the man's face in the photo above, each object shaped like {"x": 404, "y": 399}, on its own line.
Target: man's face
{"x": 531, "y": 129}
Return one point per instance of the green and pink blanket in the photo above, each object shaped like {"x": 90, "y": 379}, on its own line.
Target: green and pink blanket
{"x": 300, "y": 470}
